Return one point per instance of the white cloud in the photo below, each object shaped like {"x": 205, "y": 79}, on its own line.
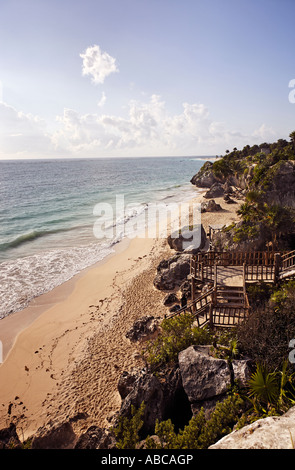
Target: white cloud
{"x": 265, "y": 133}
{"x": 98, "y": 64}
{"x": 102, "y": 100}
{"x": 148, "y": 129}
{"x": 22, "y": 134}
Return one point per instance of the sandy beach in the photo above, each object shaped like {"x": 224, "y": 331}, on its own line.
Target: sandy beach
{"x": 64, "y": 354}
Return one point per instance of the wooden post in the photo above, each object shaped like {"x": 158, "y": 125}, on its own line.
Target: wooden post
{"x": 244, "y": 284}
{"x": 193, "y": 288}
{"x": 211, "y": 316}
{"x": 277, "y": 267}
{"x": 214, "y": 296}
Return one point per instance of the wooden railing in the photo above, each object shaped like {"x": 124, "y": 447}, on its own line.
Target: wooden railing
{"x": 225, "y": 305}
{"x": 259, "y": 273}
{"x": 288, "y": 260}
{"x": 229, "y": 316}
{"x": 213, "y": 307}
{"x": 234, "y": 258}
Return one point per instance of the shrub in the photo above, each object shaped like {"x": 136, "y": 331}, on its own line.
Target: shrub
{"x": 265, "y": 336}
{"x": 178, "y": 333}
{"x": 127, "y": 429}
{"x": 200, "y": 433}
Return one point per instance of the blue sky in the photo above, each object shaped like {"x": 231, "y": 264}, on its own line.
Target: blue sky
{"x": 143, "y": 77}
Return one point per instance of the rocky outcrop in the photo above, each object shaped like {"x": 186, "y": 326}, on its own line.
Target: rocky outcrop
{"x": 275, "y": 432}
{"x": 203, "y": 376}
{"x": 143, "y": 329}
{"x": 60, "y": 436}
{"x": 281, "y": 184}
{"x": 188, "y": 239}
{"x": 170, "y": 299}
{"x": 9, "y": 438}
{"x": 172, "y": 272}
{"x": 210, "y": 206}
{"x": 96, "y": 438}
{"x": 205, "y": 176}
{"x": 146, "y": 388}
{"x": 225, "y": 240}
{"x": 206, "y": 379}
{"x": 164, "y": 397}
{"x": 216, "y": 190}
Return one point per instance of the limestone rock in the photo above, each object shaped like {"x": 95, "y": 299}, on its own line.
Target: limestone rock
{"x": 188, "y": 239}
{"x": 147, "y": 388}
{"x": 143, "y": 328}
{"x": 126, "y": 382}
{"x": 172, "y": 272}
{"x": 242, "y": 370}
{"x": 275, "y": 432}
{"x": 60, "y": 436}
{"x": 9, "y": 438}
{"x": 216, "y": 190}
{"x": 170, "y": 299}
{"x": 210, "y": 206}
{"x": 96, "y": 438}
{"x": 205, "y": 177}
{"x": 203, "y": 376}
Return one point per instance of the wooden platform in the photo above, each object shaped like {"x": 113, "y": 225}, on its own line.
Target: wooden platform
{"x": 225, "y": 303}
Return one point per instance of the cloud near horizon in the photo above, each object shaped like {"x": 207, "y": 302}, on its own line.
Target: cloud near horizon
{"x": 97, "y": 64}
{"x": 148, "y": 129}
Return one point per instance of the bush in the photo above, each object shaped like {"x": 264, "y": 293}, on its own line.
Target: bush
{"x": 200, "y": 433}
{"x": 265, "y": 336}
{"x": 178, "y": 333}
{"x": 127, "y": 430}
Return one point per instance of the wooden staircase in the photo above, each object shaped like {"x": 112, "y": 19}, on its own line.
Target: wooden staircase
{"x": 227, "y": 305}
{"x": 219, "y": 306}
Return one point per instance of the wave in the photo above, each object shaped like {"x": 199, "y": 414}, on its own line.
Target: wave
{"x": 29, "y": 237}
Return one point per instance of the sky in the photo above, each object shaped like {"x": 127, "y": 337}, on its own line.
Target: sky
{"x": 120, "y": 78}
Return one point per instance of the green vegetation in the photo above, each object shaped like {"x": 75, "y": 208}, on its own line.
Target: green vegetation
{"x": 127, "y": 430}
{"x": 200, "y": 432}
{"x": 177, "y": 333}
{"x": 264, "y": 337}
{"x": 261, "y": 157}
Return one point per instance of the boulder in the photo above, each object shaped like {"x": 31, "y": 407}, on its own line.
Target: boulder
{"x": 172, "y": 272}
{"x": 96, "y": 438}
{"x": 170, "y": 299}
{"x": 143, "y": 328}
{"x": 9, "y": 438}
{"x": 174, "y": 308}
{"x": 163, "y": 396}
{"x": 147, "y": 388}
{"x": 60, "y": 436}
{"x": 205, "y": 176}
{"x": 126, "y": 382}
{"x": 189, "y": 238}
{"x": 186, "y": 288}
{"x": 203, "y": 376}
{"x": 242, "y": 370}
{"x": 216, "y": 190}
{"x": 274, "y": 432}
{"x": 228, "y": 199}
{"x": 210, "y": 206}
{"x": 223, "y": 240}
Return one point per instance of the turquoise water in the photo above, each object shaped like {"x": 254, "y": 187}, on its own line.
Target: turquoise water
{"x": 47, "y": 215}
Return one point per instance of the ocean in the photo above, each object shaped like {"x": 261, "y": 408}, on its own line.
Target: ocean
{"x": 49, "y": 211}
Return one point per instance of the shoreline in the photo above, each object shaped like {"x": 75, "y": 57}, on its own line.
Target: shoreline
{"x": 68, "y": 359}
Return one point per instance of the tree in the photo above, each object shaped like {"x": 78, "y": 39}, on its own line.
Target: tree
{"x": 292, "y": 137}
